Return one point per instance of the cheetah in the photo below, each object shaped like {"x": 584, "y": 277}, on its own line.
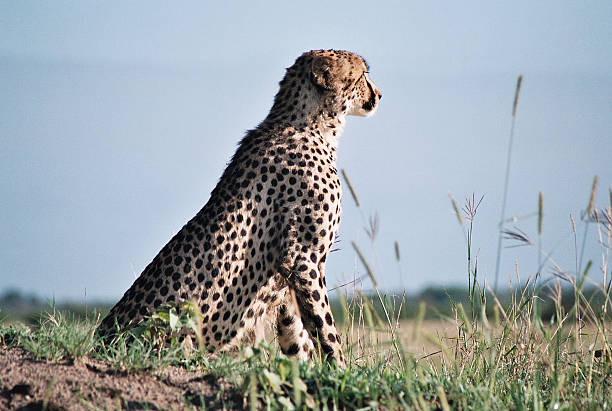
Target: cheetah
{"x": 254, "y": 256}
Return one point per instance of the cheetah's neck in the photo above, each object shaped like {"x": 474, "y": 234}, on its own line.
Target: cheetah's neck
{"x": 321, "y": 124}
{"x": 329, "y": 129}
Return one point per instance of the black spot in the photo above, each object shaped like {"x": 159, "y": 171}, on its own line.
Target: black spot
{"x": 326, "y": 348}
{"x": 293, "y": 349}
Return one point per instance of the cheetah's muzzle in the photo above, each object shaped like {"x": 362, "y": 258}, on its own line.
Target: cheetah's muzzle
{"x": 254, "y": 256}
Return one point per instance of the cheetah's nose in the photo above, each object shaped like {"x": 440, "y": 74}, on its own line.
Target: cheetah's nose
{"x": 379, "y": 95}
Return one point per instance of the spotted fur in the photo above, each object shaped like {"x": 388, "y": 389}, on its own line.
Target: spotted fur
{"x": 255, "y": 254}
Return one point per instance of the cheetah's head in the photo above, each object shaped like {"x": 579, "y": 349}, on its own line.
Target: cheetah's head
{"x": 322, "y": 87}
{"x": 343, "y": 79}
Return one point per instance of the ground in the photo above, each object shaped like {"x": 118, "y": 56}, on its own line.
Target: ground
{"x": 26, "y": 383}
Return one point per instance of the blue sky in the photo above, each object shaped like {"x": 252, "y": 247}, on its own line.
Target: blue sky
{"x": 117, "y": 119}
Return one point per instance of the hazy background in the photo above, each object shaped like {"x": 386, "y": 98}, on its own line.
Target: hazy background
{"x": 117, "y": 119}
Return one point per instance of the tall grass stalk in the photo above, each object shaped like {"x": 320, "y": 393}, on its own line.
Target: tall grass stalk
{"x": 587, "y": 218}
{"x": 507, "y": 180}
{"x": 540, "y": 222}
{"x": 470, "y": 210}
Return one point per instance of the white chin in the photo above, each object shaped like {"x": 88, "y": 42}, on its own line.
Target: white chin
{"x": 360, "y": 112}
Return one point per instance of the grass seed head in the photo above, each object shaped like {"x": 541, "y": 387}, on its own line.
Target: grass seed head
{"x": 592, "y": 196}
{"x": 351, "y": 189}
{"x": 540, "y": 212}
{"x": 456, "y": 209}
{"x": 517, "y": 93}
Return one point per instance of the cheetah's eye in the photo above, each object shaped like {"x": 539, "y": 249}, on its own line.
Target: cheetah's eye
{"x": 363, "y": 73}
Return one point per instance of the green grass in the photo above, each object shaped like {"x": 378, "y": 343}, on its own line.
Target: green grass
{"x": 518, "y": 363}
{"x": 57, "y": 336}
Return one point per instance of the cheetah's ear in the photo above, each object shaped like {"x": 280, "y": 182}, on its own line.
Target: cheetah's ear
{"x": 329, "y": 73}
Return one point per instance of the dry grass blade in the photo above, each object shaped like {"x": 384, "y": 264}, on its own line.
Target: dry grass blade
{"x": 608, "y": 213}
{"x": 517, "y": 93}
{"x": 397, "y": 250}
{"x": 456, "y": 209}
{"x": 372, "y": 316}
{"x": 608, "y": 218}
{"x": 352, "y": 282}
{"x": 558, "y": 272}
{"x": 540, "y": 212}
{"x": 365, "y": 263}
{"x": 351, "y": 189}
{"x": 592, "y": 196}
{"x": 518, "y": 235}
{"x": 442, "y": 398}
{"x": 372, "y": 228}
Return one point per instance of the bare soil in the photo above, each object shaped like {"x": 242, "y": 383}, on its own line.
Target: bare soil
{"x": 29, "y": 384}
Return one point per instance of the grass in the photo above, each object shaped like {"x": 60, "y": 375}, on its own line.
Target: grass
{"x": 514, "y": 361}
{"x": 56, "y": 337}
{"x": 546, "y": 345}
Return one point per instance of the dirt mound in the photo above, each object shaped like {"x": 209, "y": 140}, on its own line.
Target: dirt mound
{"x": 29, "y": 384}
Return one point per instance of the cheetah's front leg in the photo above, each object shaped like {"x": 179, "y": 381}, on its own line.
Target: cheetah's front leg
{"x": 293, "y": 338}
{"x": 306, "y": 280}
